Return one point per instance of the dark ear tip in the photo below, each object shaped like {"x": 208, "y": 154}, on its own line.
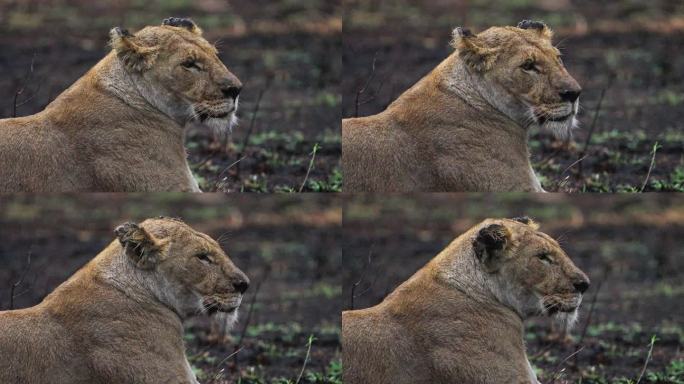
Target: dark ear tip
{"x": 121, "y": 32}
{"x": 492, "y": 236}
{"x": 527, "y": 24}
{"x": 125, "y": 228}
{"x": 463, "y": 32}
{"x": 179, "y": 22}
{"x": 522, "y": 219}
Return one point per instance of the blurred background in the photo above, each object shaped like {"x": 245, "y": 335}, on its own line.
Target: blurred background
{"x": 630, "y": 246}
{"x": 285, "y": 52}
{"x": 621, "y": 52}
{"x": 289, "y": 246}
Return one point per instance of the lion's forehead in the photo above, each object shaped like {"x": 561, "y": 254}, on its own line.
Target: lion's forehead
{"x": 169, "y": 37}
{"x": 516, "y": 40}
{"x": 533, "y": 239}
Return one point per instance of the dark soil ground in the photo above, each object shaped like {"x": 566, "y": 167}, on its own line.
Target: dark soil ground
{"x": 621, "y": 49}
{"x": 630, "y": 248}
{"x": 289, "y": 51}
{"x": 289, "y": 246}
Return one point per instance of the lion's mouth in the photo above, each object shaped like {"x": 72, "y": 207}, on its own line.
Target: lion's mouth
{"x": 215, "y": 115}
{"x": 560, "y": 118}
{"x": 553, "y": 305}
{"x": 214, "y": 305}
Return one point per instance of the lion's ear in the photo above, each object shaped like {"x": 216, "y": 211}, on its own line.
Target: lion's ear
{"x": 135, "y": 56}
{"x": 472, "y": 50}
{"x": 490, "y": 244}
{"x": 526, "y": 220}
{"x": 140, "y": 246}
{"x": 183, "y": 23}
{"x": 539, "y": 26}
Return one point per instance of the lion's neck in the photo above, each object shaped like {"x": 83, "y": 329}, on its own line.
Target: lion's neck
{"x": 109, "y": 88}
{"x": 429, "y": 297}
{"x": 448, "y": 92}
{"x": 445, "y": 121}
{"x": 147, "y": 288}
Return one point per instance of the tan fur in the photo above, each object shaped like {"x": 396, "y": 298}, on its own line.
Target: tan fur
{"x": 464, "y": 126}
{"x": 118, "y": 319}
{"x": 460, "y": 318}
{"x": 120, "y": 127}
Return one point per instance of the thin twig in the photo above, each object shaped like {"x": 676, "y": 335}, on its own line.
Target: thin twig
{"x": 363, "y": 275}
{"x": 593, "y": 125}
{"x": 243, "y": 332}
{"x": 245, "y": 141}
{"x": 558, "y": 370}
{"x": 20, "y": 91}
{"x": 591, "y": 312}
{"x": 560, "y": 179}
{"x": 650, "y": 167}
{"x": 21, "y": 279}
{"x": 218, "y": 179}
{"x": 365, "y": 86}
{"x": 311, "y": 163}
{"x": 217, "y": 376}
{"x": 648, "y": 358}
{"x": 306, "y": 359}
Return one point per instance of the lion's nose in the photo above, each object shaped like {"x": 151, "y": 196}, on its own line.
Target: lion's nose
{"x": 241, "y": 284}
{"x": 570, "y": 94}
{"x": 232, "y": 92}
{"x": 581, "y": 285}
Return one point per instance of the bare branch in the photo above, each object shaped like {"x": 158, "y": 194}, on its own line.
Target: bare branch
{"x": 20, "y": 91}
{"x": 245, "y": 141}
{"x": 365, "y": 86}
{"x": 593, "y": 125}
{"x": 243, "y": 332}
{"x": 21, "y": 279}
{"x": 363, "y": 275}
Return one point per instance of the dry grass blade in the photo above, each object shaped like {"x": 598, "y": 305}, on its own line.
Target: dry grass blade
{"x": 650, "y": 167}
{"x": 648, "y": 358}
{"x": 308, "y": 170}
{"x": 306, "y": 359}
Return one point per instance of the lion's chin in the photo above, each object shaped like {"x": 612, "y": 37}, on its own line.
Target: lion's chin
{"x": 221, "y": 125}
{"x": 561, "y": 128}
{"x": 228, "y": 318}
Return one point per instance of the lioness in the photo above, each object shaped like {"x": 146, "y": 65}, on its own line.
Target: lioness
{"x": 120, "y": 127}
{"x": 118, "y": 319}
{"x": 460, "y": 318}
{"x": 464, "y": 126}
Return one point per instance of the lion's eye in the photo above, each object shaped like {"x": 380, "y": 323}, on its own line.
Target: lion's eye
{"x": 543, "y": 256}
{"x": 191, "y": 65}
{"x": 529, "y": 65}
{"x": 204, "y": 257}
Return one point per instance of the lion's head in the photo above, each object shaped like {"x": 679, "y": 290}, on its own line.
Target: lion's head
{"x": 529, "y": 270}
{"x": 523, "y": 74}
{"x": 186, "y": 269}
{"x": 178, "y": 72}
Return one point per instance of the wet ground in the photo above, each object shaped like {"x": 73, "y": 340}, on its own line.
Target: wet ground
{"x": 620, "y": 49}
{"x": 628, "y": 246}
{"x": 288, "y": 246}
{"x": 287, "y": 54}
